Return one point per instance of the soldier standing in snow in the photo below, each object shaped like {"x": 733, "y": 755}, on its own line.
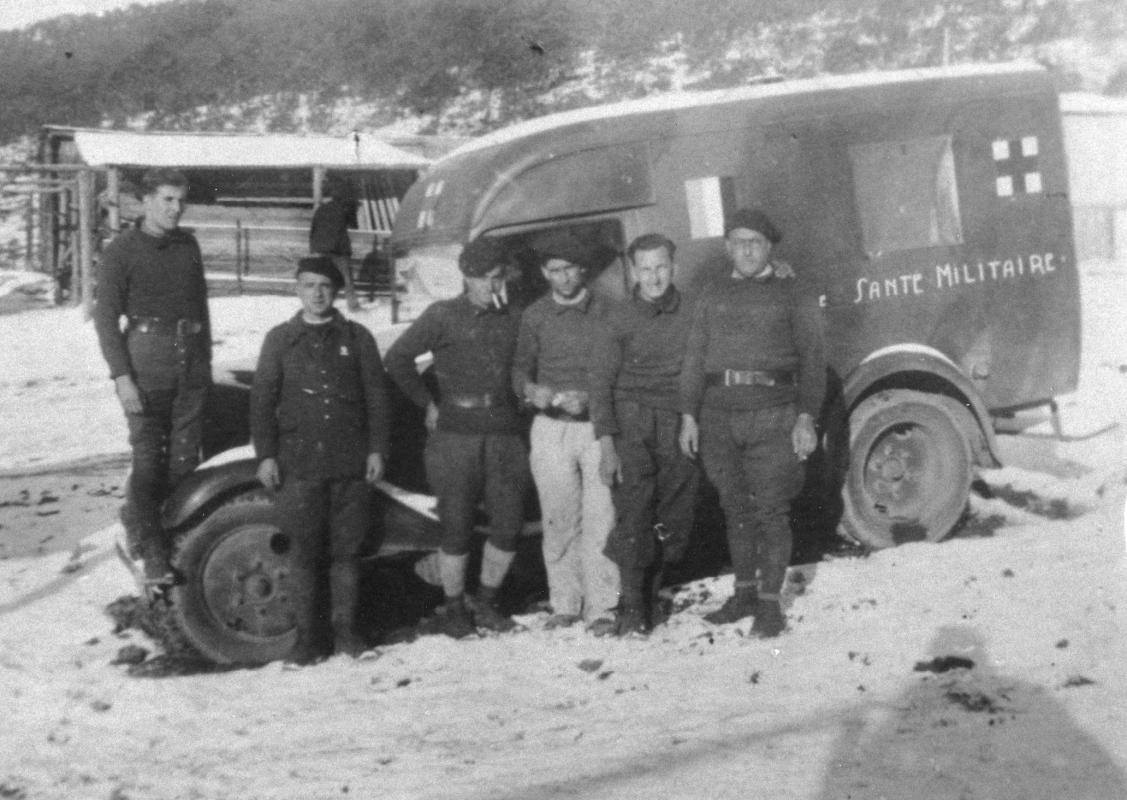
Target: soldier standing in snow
{"x": 474, "y": 450}
{"x": 754, "y": 377}
{"x": 320, "y": 419}
{"x": 153, "y": 276}
{"x": 635, "y": 394}
{"x": 551, "y": 372}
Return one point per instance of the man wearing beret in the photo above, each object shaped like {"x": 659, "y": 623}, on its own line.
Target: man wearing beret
{"x": 752, "y": 385}
{"x": 474, "y": 449}
{"x": 320, "y": 428}
{"x": 153, "y": 276}
{"x": 558, "y": 334}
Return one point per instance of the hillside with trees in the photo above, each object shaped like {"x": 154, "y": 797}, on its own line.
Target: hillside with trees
{"x": 466, "y": 66}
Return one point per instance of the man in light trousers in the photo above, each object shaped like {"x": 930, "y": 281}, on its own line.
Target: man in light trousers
{"x": 550, "y": 371}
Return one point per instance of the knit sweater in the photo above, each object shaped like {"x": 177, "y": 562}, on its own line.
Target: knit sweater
{"x": 148, "y": 276}
{"x": 473, "y": 350}
{"x": 639, "y": 359}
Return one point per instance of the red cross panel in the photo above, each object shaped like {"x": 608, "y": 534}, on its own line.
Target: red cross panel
{"x": 1017, "y": 170}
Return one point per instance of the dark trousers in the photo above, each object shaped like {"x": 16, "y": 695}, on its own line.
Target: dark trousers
{"x": 750, "y": 458}
{"x": 165, "y": 437}
{"x": 464, "y": 468}
{"x": 659, "y": 486}
{"x": 326, "y": 522}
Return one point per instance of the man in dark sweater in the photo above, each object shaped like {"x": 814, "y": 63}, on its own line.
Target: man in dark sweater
{"x": 320, "y": 427}
{"x": 152, "y": 276}
{"x": 754, "y": 377}
{"x": 551, "y": 370}
{"x": 635, "y": 402}
{"x": 474, "y": 449}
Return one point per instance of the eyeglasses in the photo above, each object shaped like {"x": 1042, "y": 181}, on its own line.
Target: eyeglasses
{"x": 746, "y": 245}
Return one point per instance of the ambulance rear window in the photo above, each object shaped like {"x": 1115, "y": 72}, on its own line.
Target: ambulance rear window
{"x": 906, "y": 194}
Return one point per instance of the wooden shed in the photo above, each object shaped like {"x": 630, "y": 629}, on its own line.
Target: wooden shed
{"x": 251, "y": 195}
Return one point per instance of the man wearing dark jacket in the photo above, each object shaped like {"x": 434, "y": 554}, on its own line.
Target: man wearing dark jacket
{"x": 474, "y": 449}
{"x": 328, "y": 233}
{"x": 320, "y": 427}
{"x": 752, "y": 385}
{"x": 635, "y": 400}
{"x": 160, "y": 362}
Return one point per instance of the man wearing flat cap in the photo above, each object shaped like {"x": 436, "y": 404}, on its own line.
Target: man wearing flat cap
{"x": 474, "y": 447}
{"x": 558, "y": 334}
{"x": 320, "y": 427}
{"x": 752, "y": 384}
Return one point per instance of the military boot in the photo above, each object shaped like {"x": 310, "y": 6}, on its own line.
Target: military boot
{"x": 631, "y": 618}
{"x": 487, "y": 615}
{"x": 769, "y": 619}
{"x": 307, "y": 647}
{"x": 631, "y": 615}
{"x": 741, "y": 605}
{"x": 156, "y": 554}
{"x": 660, "y": 608}
{"x": 453, "y": 618}
{"x": 134, "y": 536}
{"x": 343, "y": 581}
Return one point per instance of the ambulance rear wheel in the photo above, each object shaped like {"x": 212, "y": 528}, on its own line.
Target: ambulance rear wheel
{"x": 234, "y": 602}
{"x": 909, "y": 468}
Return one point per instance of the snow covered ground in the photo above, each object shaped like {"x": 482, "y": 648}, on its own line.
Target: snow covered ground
{"x": 1034, "y": 593}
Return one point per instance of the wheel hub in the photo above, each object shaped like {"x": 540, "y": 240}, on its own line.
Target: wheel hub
{"x": 246, "y": 583}
{"x": 893, "y": 471}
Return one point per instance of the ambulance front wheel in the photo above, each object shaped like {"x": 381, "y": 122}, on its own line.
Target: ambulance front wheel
{"x": 234, "y": 603}
{"x": 909, "y": 470}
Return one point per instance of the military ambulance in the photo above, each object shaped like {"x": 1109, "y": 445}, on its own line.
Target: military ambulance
{"x": 927, "y": 210}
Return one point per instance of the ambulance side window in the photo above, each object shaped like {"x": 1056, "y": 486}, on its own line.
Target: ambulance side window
{"x": 906, "y": 194}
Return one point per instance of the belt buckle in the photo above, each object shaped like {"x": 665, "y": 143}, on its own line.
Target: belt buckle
{"x": 738, "y": 377}
{"x": 186, "y": 327}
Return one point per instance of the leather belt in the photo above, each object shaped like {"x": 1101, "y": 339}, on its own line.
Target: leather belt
{"x": 750, "y": 377}
{"x": 472, "y": 400}
{"x": 165, "y": 327}
{"x": 560, "y": 414}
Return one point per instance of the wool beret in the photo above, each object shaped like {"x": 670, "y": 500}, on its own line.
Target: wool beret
{"x": 753, "y": 220}
{"x": 321, "y": 265}
{"x": 480, "y": 257}
{"x": 563, "y": 245}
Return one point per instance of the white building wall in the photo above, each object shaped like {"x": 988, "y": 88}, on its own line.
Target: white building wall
{"x": 1095, "y": 141}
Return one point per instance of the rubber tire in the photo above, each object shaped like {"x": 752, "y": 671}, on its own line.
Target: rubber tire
{"x": 192, "y": 622}
{"x": 920, "y": 441}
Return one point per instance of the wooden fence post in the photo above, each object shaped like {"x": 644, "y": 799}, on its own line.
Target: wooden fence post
{"x": 318, "y": 186}
{"x": 239, "y": 253}
{"x": 113, "y": 191}
{"x": 85, "y": 243}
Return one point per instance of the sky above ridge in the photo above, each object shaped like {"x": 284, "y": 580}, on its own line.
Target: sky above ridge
{"x": 21, "y": 13}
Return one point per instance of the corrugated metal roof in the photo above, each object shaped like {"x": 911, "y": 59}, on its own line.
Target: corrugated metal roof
{"x": 126, "y": 148}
